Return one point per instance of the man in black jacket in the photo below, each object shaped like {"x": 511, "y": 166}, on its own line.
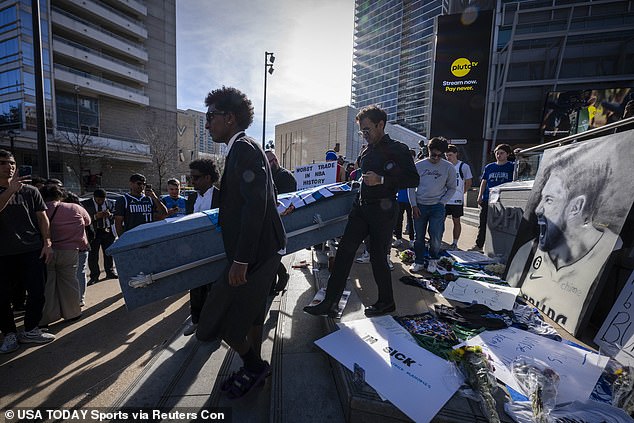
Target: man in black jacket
{"x": 284, "y": 182}
{"x": 253, "y": 237}
{"x": 386, "y": 166}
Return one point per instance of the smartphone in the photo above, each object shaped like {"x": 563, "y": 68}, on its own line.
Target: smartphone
{"x": 25, "y": 170}
{"x": 148, "y": 187}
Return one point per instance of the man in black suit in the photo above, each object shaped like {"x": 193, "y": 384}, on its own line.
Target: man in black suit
{"x": 253, "y": 237}
{"x": 203, "y": 175}
{"x": 101, "y": 211}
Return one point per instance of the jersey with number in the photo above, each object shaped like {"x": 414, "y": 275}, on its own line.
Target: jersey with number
{"x": 463, "y": 171}
{"x": 135, "y": 211}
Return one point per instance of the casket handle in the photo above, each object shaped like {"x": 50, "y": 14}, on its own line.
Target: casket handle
{"x": 318, "y": 220}
{"x": 142, "y": 280}
{"x": 319, "y": 223}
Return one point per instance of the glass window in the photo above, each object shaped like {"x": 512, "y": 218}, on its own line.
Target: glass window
{"x": 76, "y": 112}
{"x": 10, "y": 114}
{"x": 8, "y": 19}
{"x": 10, "y": 81}
{"x": 8, "y": 50}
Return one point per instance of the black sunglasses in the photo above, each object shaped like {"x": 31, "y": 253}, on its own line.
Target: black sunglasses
{"x": 210, "y": 115}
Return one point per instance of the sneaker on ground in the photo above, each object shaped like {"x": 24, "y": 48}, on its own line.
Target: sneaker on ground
{"x": 190, "y": 329}
{"x": 432, "y": 266}
{"x": 9, "y": 344}
{"x": 389, "y": 263}
{"x": 453, "y": 246}
{"x": 398, "y": 243}
{"x": 35, "y": 336}
{"x": 416, "y": 267}
{"x": 363, "y": 258}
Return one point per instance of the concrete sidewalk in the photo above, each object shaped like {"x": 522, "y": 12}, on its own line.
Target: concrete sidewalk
{"x": 115, "y": 358}
{"x": 306, "y": 384}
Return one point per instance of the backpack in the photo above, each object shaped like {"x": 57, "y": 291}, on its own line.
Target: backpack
{"x": 460, "y": 170}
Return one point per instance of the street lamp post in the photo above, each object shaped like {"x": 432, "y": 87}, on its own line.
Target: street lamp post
{"x": 269, "y": 59}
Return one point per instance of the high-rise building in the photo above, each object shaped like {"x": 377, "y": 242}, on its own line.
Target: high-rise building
{"x": 110, "y": 74}
{"x": 393, "y": 58}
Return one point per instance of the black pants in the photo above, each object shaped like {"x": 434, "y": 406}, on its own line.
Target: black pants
{"x": 404, "y": 208}
{"x": 197, "y": 298}
{"x": 376, "y": 220}
{"x": 102, "y": 241}
{"x": 30, "y": 270}
{"x": 482, "y": 228}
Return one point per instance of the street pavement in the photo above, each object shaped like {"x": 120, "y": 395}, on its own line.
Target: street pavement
{"x": 117, "y": 358}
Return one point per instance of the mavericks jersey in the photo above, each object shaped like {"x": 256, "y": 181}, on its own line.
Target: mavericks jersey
{"x": 135, "y": 211}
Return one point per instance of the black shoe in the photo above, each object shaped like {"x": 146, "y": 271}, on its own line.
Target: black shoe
{"x": 380, "y": 309}
{"x": 92, "y": 281}
{"x": 281, "y": 283}
{"x": 324, "y": 308}
{"x": 112, "y": 276}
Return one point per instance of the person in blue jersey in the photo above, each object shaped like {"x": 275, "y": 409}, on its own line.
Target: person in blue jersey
{"x": 494, "y": 174}
{"x": 174, "y": 201}
{"x": 139, "y": 206}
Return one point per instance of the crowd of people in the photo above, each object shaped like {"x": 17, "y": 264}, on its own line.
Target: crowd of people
{"x": 51, "y": 238}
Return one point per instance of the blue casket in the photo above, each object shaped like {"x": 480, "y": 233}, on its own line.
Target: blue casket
{"x": 160, "y": 259}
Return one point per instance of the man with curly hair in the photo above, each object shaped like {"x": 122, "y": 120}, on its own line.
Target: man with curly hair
{"x": 253, "y": 237}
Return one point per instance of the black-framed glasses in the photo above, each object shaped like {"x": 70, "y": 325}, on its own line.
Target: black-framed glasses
{"x": 366, "y": 131}
{"x": 212, "y": 114}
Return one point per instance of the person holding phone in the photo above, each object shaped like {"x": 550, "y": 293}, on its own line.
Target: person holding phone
{"x": 139, "y": 206}
{"x": 174, "y": 201}
{"x": 24, "y": 251}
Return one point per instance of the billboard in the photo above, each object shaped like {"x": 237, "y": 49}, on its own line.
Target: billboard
{"x": 461, "y": 69}
{"x": 571, "y": 112}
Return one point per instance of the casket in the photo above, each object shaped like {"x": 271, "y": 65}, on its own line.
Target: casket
{"x": 160, "y": 259}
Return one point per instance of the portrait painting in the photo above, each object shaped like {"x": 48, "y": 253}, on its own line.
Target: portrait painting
{"x": 573, "y": 221}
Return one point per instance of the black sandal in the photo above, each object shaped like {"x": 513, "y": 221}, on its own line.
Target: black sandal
{"x": 243, "y": 381}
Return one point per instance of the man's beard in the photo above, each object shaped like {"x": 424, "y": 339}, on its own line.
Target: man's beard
{"x": 550, "y": 234}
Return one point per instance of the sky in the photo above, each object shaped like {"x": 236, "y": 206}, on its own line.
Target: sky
{"x": 223, "y": 43}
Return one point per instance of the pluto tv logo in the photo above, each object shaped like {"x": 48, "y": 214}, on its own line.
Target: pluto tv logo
{"x": 462, "y": 66}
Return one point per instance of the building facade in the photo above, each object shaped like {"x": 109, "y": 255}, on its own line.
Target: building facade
{"x": 393, "y": 58}
{"x": 109, "y": 78}
{"x": 541, "y": 49}
{"x": 194, "y": 142}
{"x": 306, "y": 140}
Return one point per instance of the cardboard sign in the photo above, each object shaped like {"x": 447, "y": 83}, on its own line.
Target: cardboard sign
{"x": 578, "y": 369}
{"x": 616, "y": 336}
{"x": 397, "y": 369}
{"x": 316, "y": 174}
{"x": 496, "y": 297}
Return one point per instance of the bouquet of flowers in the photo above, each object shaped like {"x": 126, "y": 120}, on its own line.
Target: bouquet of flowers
{"x": 406, "y": 256}
{"x": 478, "y": 372}
{"x": 540, "y": 383}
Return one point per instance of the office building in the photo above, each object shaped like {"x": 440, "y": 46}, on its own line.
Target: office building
{"x": 109, "y": 76}
{"x": 306, "y": 140}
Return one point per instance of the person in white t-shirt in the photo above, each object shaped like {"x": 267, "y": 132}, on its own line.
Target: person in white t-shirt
{"x": 455, "y": 206}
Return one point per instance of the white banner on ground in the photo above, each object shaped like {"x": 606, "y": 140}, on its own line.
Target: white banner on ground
{"x": 315, "y": 174}
{"x": 578, "y": 369}
{"x": 416, "y": 381}
{"x": 496, "y": 297}
{"x": 472, "y": 257}
{"x": 616, "y": 336}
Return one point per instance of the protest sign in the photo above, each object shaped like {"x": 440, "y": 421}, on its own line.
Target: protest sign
{"x": 396, "y": 368}
{"x": 315, "y": 174}
{"x": 496, "y": 297}
{"x": 578, "y": 369}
